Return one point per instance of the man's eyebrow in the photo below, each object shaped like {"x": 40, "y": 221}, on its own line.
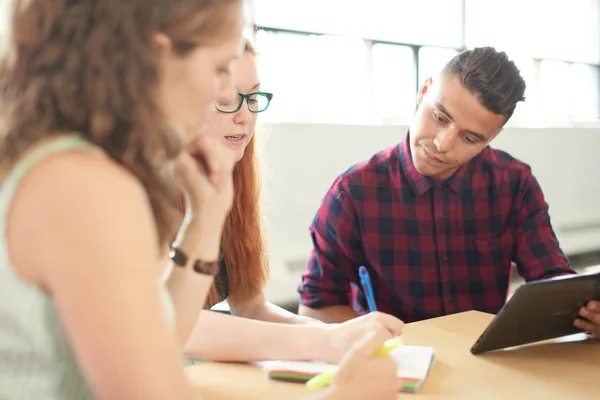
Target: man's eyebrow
{"x": 443, "y": 109}
{"x": 477, "y": 135}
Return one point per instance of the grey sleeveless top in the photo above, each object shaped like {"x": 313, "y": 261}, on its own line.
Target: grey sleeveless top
{"x": 36, "y": 361}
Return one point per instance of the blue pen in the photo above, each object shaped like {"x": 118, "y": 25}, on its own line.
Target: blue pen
{"x": 365, "y": 281}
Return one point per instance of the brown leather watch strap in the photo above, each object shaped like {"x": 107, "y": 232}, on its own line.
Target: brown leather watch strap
{"x": 179, "y": 258}
{"x": 207, "y": 267}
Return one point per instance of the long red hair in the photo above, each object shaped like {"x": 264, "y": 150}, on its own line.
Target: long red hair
{"x": 243, "y": 243}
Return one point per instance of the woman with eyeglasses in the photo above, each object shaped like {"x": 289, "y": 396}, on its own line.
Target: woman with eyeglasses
{"x": 244, "y": 268}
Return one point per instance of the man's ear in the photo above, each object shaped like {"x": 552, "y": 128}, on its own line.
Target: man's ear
{"x": 423, "y": 90}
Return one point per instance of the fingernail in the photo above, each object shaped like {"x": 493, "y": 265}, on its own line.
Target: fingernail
{"x": 577, "y": 323}
{"x": 592, "y": 306}
{"x": 584, "y": 311}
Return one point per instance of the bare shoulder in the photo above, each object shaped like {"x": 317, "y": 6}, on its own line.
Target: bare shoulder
{"x": 76, "y": 184}
{"x": 75, "y": 172}
{"x": 73, "y": 204}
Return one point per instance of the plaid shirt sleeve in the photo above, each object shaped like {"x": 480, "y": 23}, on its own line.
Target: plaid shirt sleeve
{"x": 538, "y": 254}
{"x": 336, "y": 253}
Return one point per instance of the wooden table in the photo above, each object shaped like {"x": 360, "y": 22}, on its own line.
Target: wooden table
{"x": 565, "y": 369}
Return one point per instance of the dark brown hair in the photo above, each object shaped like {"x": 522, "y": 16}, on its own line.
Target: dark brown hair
{"x": 491, "y": 77}
{"x": 91, "y": 67}
{"x": 243, "y": 243}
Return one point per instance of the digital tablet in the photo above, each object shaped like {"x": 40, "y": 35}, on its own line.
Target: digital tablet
{"x": 539, "y": 311}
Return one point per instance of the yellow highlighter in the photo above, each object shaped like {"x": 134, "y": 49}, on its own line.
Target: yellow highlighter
{"x": 325, "y": 378}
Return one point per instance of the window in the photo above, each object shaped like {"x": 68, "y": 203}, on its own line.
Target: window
{"x": 432, "y": 60}
{"x": 569, "y": 92}
{"x": 394, "y": 85}
{"x": 526, "y": 111}
{"x": 384, "y": 20}
{"x": 352, "y": 61}
{"x": 506, "y": 24}
{"x": 562, "y": 29}
{"x": 585, "y": 94}
{"x": 555, "y": 91}
{"x": 315, "y": 78}
{"x": 570, "y": 30}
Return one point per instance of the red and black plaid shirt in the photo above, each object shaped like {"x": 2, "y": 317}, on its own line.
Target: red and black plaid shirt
{"x": 431, "y": 249}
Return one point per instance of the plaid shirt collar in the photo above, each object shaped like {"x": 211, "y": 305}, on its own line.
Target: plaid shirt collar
{"x": 421, "y": 183}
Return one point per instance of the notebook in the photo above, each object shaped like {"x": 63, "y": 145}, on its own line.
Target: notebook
{"x": 413, "y": 362}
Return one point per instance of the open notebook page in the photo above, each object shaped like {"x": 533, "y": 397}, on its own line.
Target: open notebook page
{"x": 413, "y": 363}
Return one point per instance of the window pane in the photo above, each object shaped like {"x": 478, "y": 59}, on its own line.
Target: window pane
{"x": 394, "y": 82}
{"x": 387, "y": 20}
{"x": 585, "y": 100}
{"x": 569, "y": 92}
{"x": 314, "y": 78}
{"x": 570, "y": 30}
{"x": 555, "y": 81}
{"x": 432, "y": 60}
{"x": 497, "y": 23}
{"x": 561, "y": 29}
{"x": 526, "y": 110}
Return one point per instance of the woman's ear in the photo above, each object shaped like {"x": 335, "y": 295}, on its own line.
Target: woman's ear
{"x": 164, "y": 43}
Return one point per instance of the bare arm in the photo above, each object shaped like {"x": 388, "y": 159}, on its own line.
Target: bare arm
{"x": 187, "y": 287}
{"x": 332, "y": 314}
{"x": 209, "y": 194}
{"x": 221, "y": 337}
{"x": 259, "y": 308}
{"x": 92, "y": 239}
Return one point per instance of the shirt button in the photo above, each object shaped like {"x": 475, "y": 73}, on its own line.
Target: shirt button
{"x": 442, "y": 216}
{"x": 449, "y": 300}
{"x": 445, "y": 258}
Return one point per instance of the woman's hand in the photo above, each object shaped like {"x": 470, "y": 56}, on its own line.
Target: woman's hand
{"x": 205, "y": 172}
{"x": 340, "y": 337}
{"x": 363, "y": 376}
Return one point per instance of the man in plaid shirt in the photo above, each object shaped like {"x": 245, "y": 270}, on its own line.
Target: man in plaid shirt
{"x": 439, "y": 218}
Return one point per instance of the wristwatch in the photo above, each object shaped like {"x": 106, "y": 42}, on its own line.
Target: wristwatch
{"x": 180, "y": 259}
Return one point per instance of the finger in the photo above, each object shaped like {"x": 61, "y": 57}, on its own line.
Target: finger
{"x": 205, "y": 151}
{"x": 372, "y": 340}
{"x": 394, "y": 325}
{"x": 386, "y": 363}
{"x": 399, "y": 384}
{"x": 593, "y": 306}
{"x": 187, "y": 169}
{"x": 587, "y": 326}
{"x": 219, "y": 160}
{"x": 592, "y": 316}
{"x": 388, "y": 372}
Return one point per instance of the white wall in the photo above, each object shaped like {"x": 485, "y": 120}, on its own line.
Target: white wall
{"x": 301, "y": 161}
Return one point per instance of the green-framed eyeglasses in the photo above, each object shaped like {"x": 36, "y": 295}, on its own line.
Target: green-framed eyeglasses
{"x": 257, "y": 102}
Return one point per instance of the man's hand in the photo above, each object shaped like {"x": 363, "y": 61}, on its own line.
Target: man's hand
{"x": 591, "y": 313}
